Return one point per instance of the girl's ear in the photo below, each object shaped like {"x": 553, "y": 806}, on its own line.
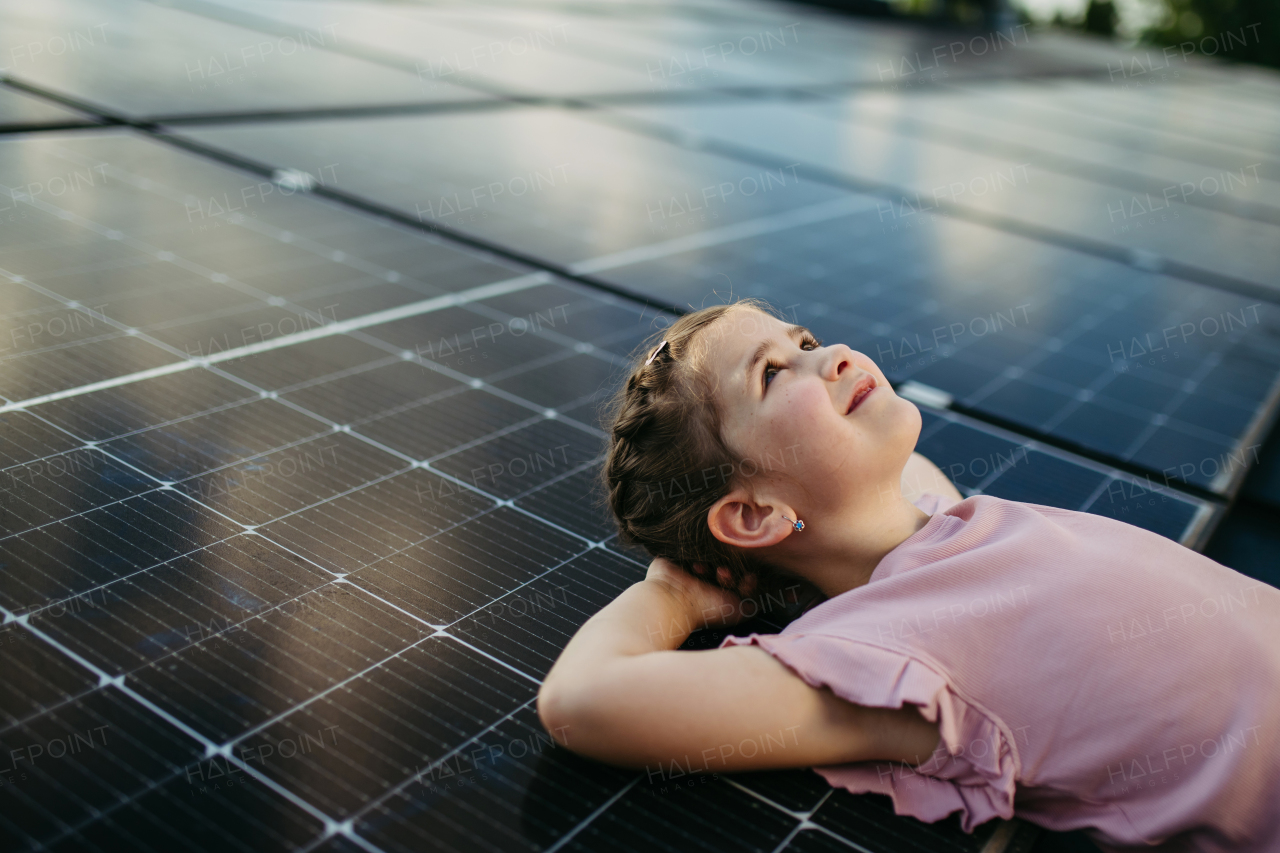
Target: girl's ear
{"x": 738, "y": 520}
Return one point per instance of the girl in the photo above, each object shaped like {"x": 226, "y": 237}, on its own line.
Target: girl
{"x": 994, "y": 656}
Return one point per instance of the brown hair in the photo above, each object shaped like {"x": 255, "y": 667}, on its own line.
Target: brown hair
{"x": 667, "y": 463}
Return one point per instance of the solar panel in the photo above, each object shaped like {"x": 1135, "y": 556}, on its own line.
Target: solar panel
{"x": 1132, "y": 365}
{"x": 1158, "y": 218}
{"x": 1105, "y": 357}
{"x": 154, "y": 61}
{"x": 301, "y": 501}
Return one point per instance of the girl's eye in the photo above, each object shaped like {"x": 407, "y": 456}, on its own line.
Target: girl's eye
{"x": 771, "y": 368}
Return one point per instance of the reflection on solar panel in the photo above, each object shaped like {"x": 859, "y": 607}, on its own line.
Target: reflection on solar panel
{"x": 300, "y": 420}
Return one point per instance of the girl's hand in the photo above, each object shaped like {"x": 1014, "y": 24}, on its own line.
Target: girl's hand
{"x": 708, "y": 605}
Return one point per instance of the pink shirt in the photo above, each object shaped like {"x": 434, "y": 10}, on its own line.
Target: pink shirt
{"x": 1083, "y": 672}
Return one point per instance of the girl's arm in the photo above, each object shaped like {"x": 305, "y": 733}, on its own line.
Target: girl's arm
{"x": 920, "y": 476}
{"x": 620, "y": 693}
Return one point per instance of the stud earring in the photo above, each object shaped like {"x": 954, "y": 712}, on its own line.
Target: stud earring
{"x": 798, "y": 525}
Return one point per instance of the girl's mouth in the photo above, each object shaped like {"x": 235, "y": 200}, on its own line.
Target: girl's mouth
{"x": 861, "y": 389}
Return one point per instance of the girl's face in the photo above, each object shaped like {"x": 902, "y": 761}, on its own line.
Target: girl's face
{"x": 825, "y": 416}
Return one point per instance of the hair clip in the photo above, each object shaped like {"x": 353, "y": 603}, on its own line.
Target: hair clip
{"x": 655, "y": 352}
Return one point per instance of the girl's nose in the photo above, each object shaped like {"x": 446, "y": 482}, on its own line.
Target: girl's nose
{"x": 839, "y": 359}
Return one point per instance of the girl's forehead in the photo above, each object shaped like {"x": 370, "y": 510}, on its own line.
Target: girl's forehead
{"x": 735, "y": 335}
{"x": 742, "y": 328}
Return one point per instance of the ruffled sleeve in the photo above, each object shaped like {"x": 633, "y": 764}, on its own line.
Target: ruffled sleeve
{"x": 931, "y": 503}
{"x": 975, "y": 767}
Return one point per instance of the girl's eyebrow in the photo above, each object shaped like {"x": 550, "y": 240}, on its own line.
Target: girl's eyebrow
{"x": 793, "y": 331}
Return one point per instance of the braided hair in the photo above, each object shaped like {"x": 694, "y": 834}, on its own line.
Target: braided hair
{"x": 667, "y": 463}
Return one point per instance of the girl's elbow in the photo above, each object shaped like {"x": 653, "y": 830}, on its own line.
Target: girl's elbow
{"x": 554, "y": 711}
{"x": 580, "y": 720}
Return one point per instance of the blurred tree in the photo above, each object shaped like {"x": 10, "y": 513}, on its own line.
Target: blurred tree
{"x": 1101, "y": 17}
{"x": 1208, "y": 23}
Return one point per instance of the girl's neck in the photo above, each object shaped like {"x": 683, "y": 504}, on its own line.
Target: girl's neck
{"x": 847, "y": 546}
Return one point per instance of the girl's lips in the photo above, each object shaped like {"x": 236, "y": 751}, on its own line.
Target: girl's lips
{"x": 861, "y": 389}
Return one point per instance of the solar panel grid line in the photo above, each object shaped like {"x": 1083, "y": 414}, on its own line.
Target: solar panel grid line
{"x": 152, "y": 568}
{"x": 408, "y": 543}
{"x": 452, "y": 575}
{"x": 96, "y": 448}
{"x": 553, "y": 804}
{"x": 444, "y": 632}
{"x": 572, "y": 552}
{"x": 349, "y": 491}
{"x": 324, "y": 330}
{"x": 354, "y": 370}
{"x": 1002, "y": 380}
{"x": 799, "y": 816}
{"x": 556, "y": 479}
{"x": 342, "y": 577}
{"x": 1121, "y": 178}
{"x": 168, "y": 487}
{"x": 481, "y": 385}
{"x": 46, "y": 458}
{"x": 395, "y": 693}
{"x": 1139, "y": 107}
{"x": 276, "y": 343}
{"x": 453, "y": 753}
{"x": 946, "y": 416}
{"x": 995, "y": 220}
{"x": 63, "y": 345}
{"x": 101, "y": 784}
{"x": 850, "y": 318}
{"x": 568, "y": 837}
{"x": 1082, "y": 327}
{"x": 338, "y": 578}
{"x": 1224, "y": 142}
{"x": 141, "y": 246}
{"x": 249, "y": 223}
{"x": 87, "y": 388}
{"x": 1029, "y": 445}
{"x": 281, "y": 678}
{"x": 531, "y": 628}
{"x": 1097, "y": 129}
{"x": 425, "y": 466}
{"x": 68, "y": 698}
{"x": 348, "y": 48}
{"x": 102, "y": 813}
{"x": 1025, "y": 372}
{"x": 321, "y": 428}
{"x": 1095, "y": 494}
{"x": 181, "y": 603}
{"x": 574, "y": 346}
{"x": 552, "y": 358}
{"x": 103, "y": 587}
{"x": 462, "y": 237}
{"x": 76, "y": 599}
{"x": 439, "y": 631}
{"x": 1243, "y": 140}
{"x": 725, "y": 234}
{"x": 790, "y": 836}
{"x": 476, "y": 442}
{"x": 103, "y": 678}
